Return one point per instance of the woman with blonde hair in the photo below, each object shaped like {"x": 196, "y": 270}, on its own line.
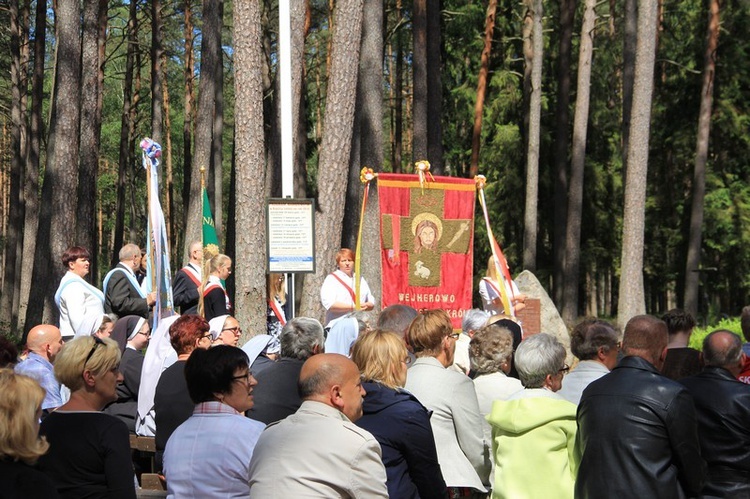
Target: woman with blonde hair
{"x": 276, "y": 291}
{"x": 489, "y": 290}
{"x": 215, "y": 298}
{"x": 20, "y": 444}
{"x": 396, "y": 418}
{"x": 89, "y": 451}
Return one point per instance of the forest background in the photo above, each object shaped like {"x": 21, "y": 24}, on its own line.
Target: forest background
{"x": 609, "y": 132}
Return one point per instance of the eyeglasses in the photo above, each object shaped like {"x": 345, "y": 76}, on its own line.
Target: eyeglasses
{"x": 97, "y": 342}
{"x": 565, "y": 369}
{"x": 235, "y": 330}
{"x": 147, "y": 334}
{"x": 207, "y": 335}
{"x": 454, "y": 335}
{"x": 246, "y": 377}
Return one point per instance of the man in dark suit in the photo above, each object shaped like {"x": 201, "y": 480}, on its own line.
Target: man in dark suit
{"x": 723, "y": 407}
{"x": 276, "y": 395}
{"x": 122, "y": 294}
{"x": 186, "y": 281}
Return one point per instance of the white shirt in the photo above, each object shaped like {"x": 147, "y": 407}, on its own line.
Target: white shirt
{"x": 491, "y": 387}
{"x": 579, "y": 378}
{"x": 332, "y": 291}
{"x": 488, "y": 294}
{"x": 209, "y": 454}
{"x": 78, "y": 300}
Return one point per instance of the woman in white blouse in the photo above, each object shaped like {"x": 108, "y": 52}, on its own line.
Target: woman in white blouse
{"x": 76, "y": 299}
{"x": 337, "y": 292}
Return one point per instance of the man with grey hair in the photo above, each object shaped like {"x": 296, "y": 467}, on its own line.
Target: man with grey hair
{"x": 122, "y": 293}
{"x": 595, "y": 343}
{"x": 318, "y": 451}
{"x": 637, "y": 432}
{"x": 276, "y": 394}
{"x": 473, "y": 320}
{"x": 722, "y": 404}
{"x": 535, "y": 428}
{"x": 187, "y": 280}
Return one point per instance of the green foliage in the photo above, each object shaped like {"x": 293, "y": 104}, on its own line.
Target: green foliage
{"x": 699, "y": 333}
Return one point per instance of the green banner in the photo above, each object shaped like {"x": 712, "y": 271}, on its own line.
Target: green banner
{"x": 210, "y": 241}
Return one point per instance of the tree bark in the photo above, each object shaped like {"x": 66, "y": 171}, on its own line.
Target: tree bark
{"x": 575, "y": 194}
{"x": 218, "y": 133}
{"x": 31, "y": 183}
{"x": 628, "y": 75}
{"x": 187, "y": 126}
{"x": 335, "y": 147}
{"x": 128, "y": 103}
{"x": 692, "y": 273}
{"x": 419, "y": 86}
{"x": 532, "y": 157}
{"x": 562, "y": 119}
{"x": 57, "y": 215}
{"x": 484, "y": 69}
{"x": 94, "y": 13}
{"x": 434, "y": 90}
{"x": 14, "y": 232}
{"x": 157, "y": 106}
{"x": 204, "y": 122}
{"x": 250, "y": 281}
{"x": 367, "y": 145}
{"x": 631, "y": 300}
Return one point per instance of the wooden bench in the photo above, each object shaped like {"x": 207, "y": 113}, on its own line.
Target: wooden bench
{"x": 150, "y": 482}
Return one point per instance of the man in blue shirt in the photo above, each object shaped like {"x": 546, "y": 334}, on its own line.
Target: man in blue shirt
{"x": 43, "y": 343}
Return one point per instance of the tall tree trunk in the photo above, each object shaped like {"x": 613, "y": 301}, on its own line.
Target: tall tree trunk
{"x": 218, "y": 132}
{"x": 335, "y": 148}
{"x": 300, "y": 26}
{"x": 125, "y": 126}
{"x": 578, "y": 156}
{"x": 187, "y": 125}
{"x": 169, "y": 190}
{"x": 628, "y": 75}
{"x": 692, "y": 274}
{"x": 250, "y": 281}
{"x": 631, "y": 297}
{"x": 434, "y": 89}
{"x": 204, "y": 122}
{"x": 15, "y": 230}
{"x": 419, "y": 86}
{"x": 31, "y": 183}
{"x": 562, "y": 119}
{"x": 91, "y": 123}
{"x": 532, "y": 157}
{"x": 157, "y": 106}
{"x": 398, "y": 91}
{"x": 57, "y": 215}
{"x": 367, "y": 143}
{"x": 484, "y": 69}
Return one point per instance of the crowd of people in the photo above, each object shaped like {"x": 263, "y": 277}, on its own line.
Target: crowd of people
{"x": 397, "y": 404}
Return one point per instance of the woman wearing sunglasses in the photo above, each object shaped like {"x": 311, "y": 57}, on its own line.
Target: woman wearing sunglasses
{"x": 89, "y": 454}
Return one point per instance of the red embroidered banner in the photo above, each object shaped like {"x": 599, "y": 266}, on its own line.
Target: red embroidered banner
{"x": 426, "y": 240}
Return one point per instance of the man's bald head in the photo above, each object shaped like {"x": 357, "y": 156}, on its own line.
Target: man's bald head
{"x": 195, "y": 253}
{"x": 646, "y": 337}
{"x": 333, "y": 380}
{"x": 723, "y": 348}
{"x": 44, "y": 340}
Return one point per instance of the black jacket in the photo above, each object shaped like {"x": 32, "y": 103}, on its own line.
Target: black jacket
{"x": 723, "y": 407}
{"x": 637, "y": 436}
